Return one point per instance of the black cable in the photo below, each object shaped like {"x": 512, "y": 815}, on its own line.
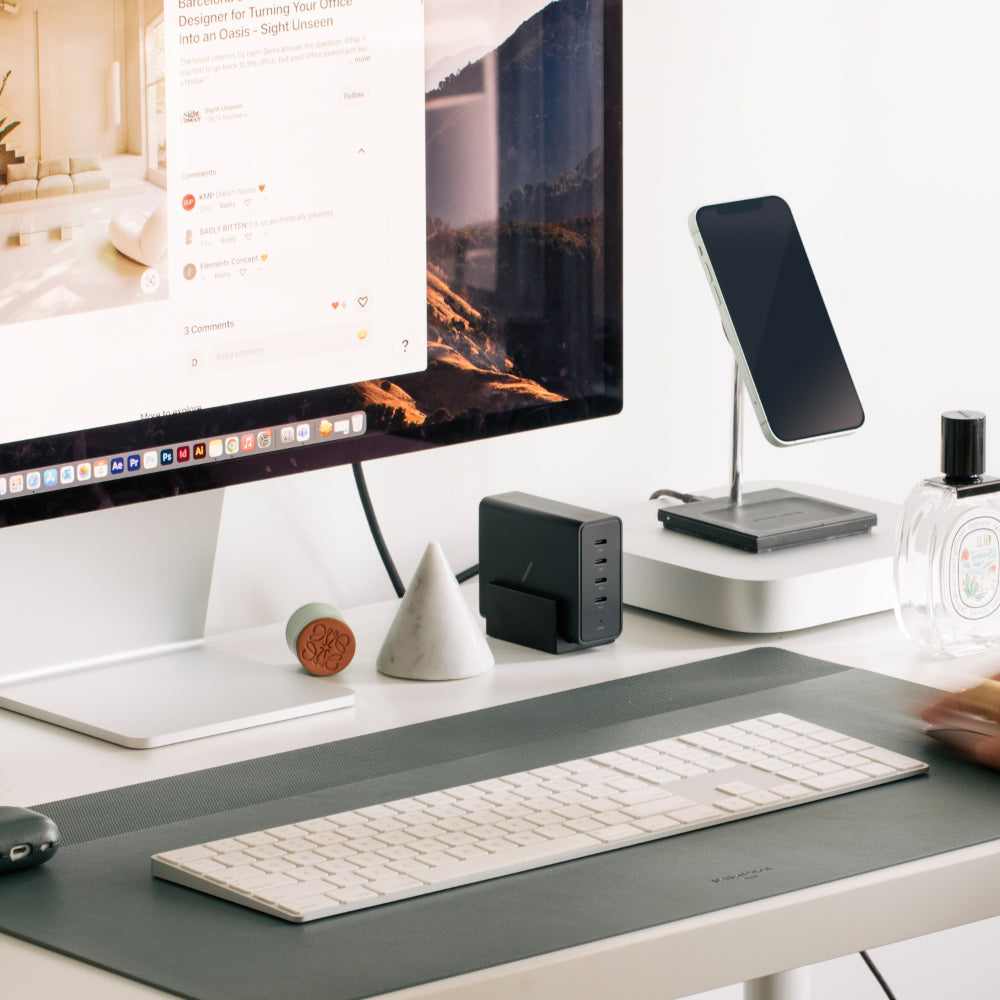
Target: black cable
{"x": 878, "y": 975}
{"x": 383, "y": 550}
{"x": 686, "y": 497}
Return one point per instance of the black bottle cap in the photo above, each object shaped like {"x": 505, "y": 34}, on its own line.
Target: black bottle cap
{"x": 963, "y": 446}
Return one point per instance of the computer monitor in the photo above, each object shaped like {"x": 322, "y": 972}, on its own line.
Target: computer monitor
{"x": 246, "y": 240}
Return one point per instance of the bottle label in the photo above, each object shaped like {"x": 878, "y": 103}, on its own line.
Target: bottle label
{"x": 975, "y": 556}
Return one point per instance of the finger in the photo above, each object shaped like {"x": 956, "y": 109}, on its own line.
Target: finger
{"x": 982, "y": 700}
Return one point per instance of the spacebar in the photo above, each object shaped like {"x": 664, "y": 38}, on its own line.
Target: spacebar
{"x": 519, "y": 859}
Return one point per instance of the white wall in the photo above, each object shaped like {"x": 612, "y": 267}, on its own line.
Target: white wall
{"x": 875, "y": 119}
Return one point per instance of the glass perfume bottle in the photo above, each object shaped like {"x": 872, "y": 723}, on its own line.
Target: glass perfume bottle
{"x": 947, "y": 547}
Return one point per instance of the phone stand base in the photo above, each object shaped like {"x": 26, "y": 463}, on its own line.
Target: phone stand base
{"x": 767, "y": 520}
{"x": 758, "y": 592}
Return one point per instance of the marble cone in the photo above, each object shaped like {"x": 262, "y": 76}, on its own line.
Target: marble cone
{"x": 435, "y": 636}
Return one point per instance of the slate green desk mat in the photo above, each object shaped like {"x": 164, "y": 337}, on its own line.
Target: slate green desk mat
{"x": 96, "y": 900}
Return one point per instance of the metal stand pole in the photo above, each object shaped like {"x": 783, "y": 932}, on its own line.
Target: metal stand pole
{"x": 736, "y": 490}
{"x": 790, "y": 985}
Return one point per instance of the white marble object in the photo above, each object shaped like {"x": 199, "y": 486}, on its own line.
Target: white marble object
{"x": 435, "y": 636}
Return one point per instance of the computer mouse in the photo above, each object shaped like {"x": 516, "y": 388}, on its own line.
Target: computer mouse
{"x": 972, "y": 726}
{"x": 27, "y": 838}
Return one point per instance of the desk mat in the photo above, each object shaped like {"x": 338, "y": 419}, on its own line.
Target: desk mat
{"x": 96, "y": 900}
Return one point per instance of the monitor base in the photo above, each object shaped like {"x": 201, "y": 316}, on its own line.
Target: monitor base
{"x": 105, "y": 630}
{"x": 172, "y": 697}
{"x": 759, "y": 592}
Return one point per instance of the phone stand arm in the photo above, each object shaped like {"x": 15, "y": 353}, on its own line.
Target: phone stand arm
{"x": 736, "y": 489}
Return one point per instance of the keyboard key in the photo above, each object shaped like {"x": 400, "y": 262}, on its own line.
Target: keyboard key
{"x": 189, "y": 854}
{"x": 790, "y": 790}
{"x": 393, "y": 885}
{"x": 763, "y": 798}
{"x": 622, "y": 831}
{"x": 876, "y": 770}
{"x": 824, "y": 782}
{"x": 228, "y": 846}
{"x": 887, "y": 757}
{"x": 296, "y": 890}
{"x": 352, "y": 894}
{"x": 736, "y": 787}
{"x": 323, "y": 905}
{"x": 202, "y": 866}
{"x": 695, "y": 814}
{"x": 733, "y": 804}
{"x": 637, "y": 795}
{"x": 655, "y": 824}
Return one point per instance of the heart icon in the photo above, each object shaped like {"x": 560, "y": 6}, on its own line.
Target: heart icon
{"x": 246, "y": 201}
{"x": 335, "y": 305}
{"x": 248, "y": 236}
{"x": 260, "y": 187}
{"x": 243, "y": 270}
{"x": 362, "y": 300}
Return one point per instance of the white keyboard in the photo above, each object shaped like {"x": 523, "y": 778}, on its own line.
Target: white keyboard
{"x": 381, "y": 853}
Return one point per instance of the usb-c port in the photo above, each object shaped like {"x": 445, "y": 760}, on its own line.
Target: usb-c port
{"x": 600, "y": 580}
{"x": 600, "y": 541}
{"x": 21, "y": 851}
{"x": 600, "y": 600}
{"x": 600, "y": 562}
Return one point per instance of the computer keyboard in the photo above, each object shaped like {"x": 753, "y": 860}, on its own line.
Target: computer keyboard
{"x": 390, "y": 851}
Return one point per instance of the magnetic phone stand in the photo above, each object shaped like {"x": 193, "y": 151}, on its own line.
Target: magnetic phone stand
{"x": 767, "y": 519}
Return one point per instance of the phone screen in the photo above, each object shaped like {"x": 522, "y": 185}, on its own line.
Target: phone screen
{"x": 796, "y": 366}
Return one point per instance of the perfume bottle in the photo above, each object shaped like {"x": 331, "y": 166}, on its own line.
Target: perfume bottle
{"x": 947, "y": 547}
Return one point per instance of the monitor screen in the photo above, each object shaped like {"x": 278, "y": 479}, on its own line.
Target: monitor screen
{"x": 244, "y": 239}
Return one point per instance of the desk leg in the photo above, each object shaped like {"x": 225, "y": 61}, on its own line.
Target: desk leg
{"x": 790, "y": 985}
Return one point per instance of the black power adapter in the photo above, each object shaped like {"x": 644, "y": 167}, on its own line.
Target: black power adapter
{"x": 550, "y": 573}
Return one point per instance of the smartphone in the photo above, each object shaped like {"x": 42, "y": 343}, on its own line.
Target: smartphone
{"x": 775, "y": 320}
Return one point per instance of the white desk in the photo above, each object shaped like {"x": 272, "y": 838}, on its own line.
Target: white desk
{"x": 40, "y": 763}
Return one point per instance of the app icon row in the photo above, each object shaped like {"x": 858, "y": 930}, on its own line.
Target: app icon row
{"x": 149, "y": 460}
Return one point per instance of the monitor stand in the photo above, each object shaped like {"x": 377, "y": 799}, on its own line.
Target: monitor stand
{"x": 104, "y": 630}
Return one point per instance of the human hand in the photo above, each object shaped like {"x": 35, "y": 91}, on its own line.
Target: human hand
{"x": 969, "y": 721}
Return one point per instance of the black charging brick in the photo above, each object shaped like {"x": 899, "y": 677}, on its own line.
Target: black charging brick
{"x": 550, "y": 573}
